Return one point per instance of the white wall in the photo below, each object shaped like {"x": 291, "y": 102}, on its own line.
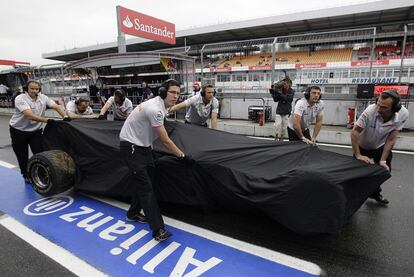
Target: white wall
{"x": 335, "y": 113}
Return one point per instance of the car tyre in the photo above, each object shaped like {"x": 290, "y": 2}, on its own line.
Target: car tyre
{"x": 51, "y": 172}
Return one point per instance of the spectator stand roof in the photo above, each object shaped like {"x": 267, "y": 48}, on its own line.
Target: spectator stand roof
{"x": 129, "y": 59}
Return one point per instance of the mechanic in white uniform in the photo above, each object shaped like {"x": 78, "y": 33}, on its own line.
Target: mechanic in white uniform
{"x": 79, "y": 109}
{"x": 26, "y": 123}
{"x": 305, "y": 112}
{"x": 201, "y": 107}
{"x": 121, "y": 106}
{"x": 375, "y": 133}
{"x": 142, "y": 127}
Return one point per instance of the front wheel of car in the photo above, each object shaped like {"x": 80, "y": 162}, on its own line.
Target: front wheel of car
{"x": 51, "y": 172}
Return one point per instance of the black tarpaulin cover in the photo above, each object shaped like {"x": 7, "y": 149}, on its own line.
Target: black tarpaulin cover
{"x": 304, "y": 188}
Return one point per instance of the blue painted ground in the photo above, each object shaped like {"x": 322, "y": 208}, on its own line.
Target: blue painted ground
{"x": 97, "y": 233}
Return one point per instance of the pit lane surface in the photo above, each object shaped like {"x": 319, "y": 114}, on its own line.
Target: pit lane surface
{"x": 377, "y": 241}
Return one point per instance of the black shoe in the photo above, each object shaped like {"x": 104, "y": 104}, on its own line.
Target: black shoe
{"x": 161, "y": 234}
{"x": 27, "y": 180}
{"x": 380, "y": 199}
{"x": 137, "y": 217}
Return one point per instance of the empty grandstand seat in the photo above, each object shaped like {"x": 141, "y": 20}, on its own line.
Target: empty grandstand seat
{"x": 318, "y": 56}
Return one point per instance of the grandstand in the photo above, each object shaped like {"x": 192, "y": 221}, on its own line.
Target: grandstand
{"x": 332, "y": 47}
{"x": 387, "y": 52}
{"x": 306, "y": 57}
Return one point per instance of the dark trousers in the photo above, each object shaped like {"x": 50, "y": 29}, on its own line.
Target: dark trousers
{"x": 376, "y": 155}
{"x": 119, "y": 119}
{"x": 293, "y": 136}
{"x": 20, "y": 142}
{"x": 203, "y": 125}
{"x": 141, "y": 165}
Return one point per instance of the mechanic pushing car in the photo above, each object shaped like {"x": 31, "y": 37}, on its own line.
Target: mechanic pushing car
{"x": 26, "y": 123}
{"x": 200, "y": 107}
{"x": 143, "y": 126}
{"x": 375, "y": 133}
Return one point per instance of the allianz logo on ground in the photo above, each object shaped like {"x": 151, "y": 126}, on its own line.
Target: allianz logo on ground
{"x": 95, "y": 232}
{"x": 90, "y": 220}
{"x": 48, "y": 205}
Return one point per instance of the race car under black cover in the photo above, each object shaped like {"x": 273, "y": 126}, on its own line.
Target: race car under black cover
{"x": 304, "y": 188}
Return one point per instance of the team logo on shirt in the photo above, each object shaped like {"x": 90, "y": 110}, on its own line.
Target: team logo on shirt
{"x": 159, "y": 117}
{"x": 20, "y": 102}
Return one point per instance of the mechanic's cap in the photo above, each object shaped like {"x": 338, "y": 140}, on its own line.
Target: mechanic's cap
{"x": 196, "y": 85}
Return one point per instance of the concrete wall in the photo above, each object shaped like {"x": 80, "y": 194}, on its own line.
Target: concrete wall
{"x": 335, "y": 113}
{"x": 331, "y": 135}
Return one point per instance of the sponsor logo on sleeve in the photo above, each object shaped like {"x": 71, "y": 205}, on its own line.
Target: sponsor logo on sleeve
{"x": 159, "y": 117}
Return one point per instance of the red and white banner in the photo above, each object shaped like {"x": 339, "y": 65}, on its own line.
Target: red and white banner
{"x": 402, "y": 90}
{"x": 366, "y": 63}
{"x": 310, "y": 65}
{"x": 260, "y": 67}
{"x": 12, "y": 63}
{"x": 224, "y": 69}
{"x": 141, "y": 25}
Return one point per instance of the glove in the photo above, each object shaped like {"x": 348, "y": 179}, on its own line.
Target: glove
{"x": 67, "y": 118}
{"x": 187, "y": 159}
{"x": 101, "y": 117}
{"x": 51, "y": 121}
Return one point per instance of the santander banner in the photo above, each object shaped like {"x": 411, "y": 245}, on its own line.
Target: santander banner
{"x": 310, "y": 65}
{"x": 141, "y": 25}
{"x": 367, "y": 62}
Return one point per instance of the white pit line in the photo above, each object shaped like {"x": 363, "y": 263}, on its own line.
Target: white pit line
{"x": 55, "y": 252}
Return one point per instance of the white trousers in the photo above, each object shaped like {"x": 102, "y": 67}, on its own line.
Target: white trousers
{"x": 281, "y": 126}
